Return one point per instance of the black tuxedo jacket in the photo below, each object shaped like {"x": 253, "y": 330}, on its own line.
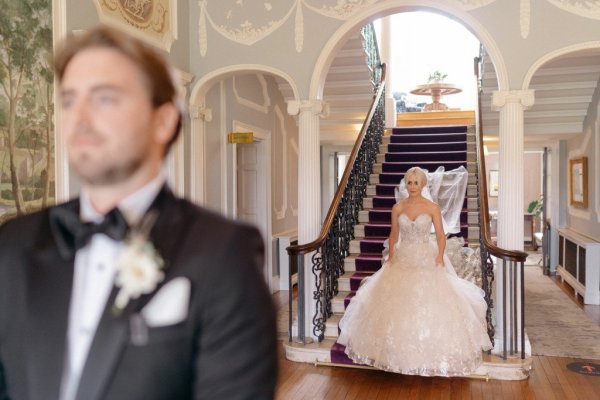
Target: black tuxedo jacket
{"x": 225, "y": 348}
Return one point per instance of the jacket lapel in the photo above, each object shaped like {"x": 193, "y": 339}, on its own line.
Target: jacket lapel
{"x": 113, "y": 333}
{"x": 50, "y": 282}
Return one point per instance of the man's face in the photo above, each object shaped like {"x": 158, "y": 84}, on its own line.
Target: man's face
{"x": 107, "y": 117}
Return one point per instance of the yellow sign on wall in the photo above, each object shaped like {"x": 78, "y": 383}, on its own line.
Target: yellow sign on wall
{"x": 240, "y": 137}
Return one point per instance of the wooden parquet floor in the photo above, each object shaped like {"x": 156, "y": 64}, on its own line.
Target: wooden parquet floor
{"x": 550, "y": 379}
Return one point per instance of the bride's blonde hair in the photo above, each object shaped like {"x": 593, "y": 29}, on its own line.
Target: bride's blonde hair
{"x": 419, "y": 173}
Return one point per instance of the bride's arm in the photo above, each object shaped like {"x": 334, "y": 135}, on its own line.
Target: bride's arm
{"x": 394, "y": 231}
{"x": 439, "y": 234}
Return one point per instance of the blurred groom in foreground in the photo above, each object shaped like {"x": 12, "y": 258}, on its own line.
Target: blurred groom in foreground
{"x": 129, "y": 292}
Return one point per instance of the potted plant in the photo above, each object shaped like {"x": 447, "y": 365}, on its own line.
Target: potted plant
{"x": 436, "y": 77}
{"x": 535, "y": 207}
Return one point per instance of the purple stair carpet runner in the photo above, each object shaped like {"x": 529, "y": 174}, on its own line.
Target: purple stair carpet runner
{"x": 426, "y": 147}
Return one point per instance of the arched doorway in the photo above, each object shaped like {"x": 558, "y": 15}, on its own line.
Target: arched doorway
{"x": 252, "y": 181}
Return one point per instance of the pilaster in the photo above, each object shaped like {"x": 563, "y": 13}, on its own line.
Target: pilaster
{"x": 199, "y": 115}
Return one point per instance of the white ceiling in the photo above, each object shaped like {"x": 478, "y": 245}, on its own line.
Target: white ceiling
{"x": 563, "y": 91}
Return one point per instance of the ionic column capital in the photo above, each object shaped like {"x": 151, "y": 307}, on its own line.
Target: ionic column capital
{"x": 500, "y": 98}
{"x": 201, "y": 112}
{"x": 317, "y": 107}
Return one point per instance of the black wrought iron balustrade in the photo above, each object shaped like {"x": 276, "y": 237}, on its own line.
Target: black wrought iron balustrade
{"x": 510, "y": 263}
{"x": 328, "y": 252}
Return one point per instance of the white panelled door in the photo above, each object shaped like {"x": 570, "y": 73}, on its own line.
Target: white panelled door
{"x": 248, "y": 183}
{"x": 253, "y": 194}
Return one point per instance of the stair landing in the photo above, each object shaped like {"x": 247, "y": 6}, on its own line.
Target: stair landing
{"x": 435, "y": 118}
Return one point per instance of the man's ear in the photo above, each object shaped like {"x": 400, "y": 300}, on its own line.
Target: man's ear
{"x": 166, "y": 118}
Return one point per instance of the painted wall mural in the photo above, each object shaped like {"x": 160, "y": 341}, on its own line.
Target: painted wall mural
{"x": 154, "y": 21}
{"x": 26, "y": 107}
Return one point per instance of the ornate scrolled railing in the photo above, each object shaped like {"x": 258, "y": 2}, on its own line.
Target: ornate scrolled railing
{"x": 372, "y": 51}
{"x": 512, "y": 260}
{"x": 332, "y": 246}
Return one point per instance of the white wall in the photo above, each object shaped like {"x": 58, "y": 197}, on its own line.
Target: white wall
{"x": 587, "y": 144}
{"x": 254, "y": 100}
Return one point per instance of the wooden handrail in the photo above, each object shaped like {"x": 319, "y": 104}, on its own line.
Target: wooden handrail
{"x": 484, "y": 212}
{"x": 318, "y": 242}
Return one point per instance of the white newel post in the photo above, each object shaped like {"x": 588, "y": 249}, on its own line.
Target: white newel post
{"x": 386, "y": 57}
{"x": 198, "y": 115}
{"x": 309, "y": 190}
{"x": 511, "y": 104}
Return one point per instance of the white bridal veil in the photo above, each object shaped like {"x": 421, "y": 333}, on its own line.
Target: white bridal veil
{"x": 446, "y": 189}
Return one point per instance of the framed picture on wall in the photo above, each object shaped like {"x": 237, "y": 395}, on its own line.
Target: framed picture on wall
{"x": 578, "y": 185}
{"x": 493, "y": 184}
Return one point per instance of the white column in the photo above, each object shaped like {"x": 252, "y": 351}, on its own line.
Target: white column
{"x": 309, "y": 190}
{"x": 386, "y": 57}
{"x": 511, "y": 104}
{"x": 199, "y": 115}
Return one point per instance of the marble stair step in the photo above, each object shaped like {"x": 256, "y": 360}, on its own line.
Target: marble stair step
{"x": 332, "y": 326}
{"x": 388, "y": 147}
{"x": 403, "y": 166}
{"x": 411, "y": 156}
{"x": 338, "y": 304}
{"x": 349, "y": 279}
{"x": 371, "y": 230}
{"x": 395, "y": 178}
{"x": 387, "y": 189}
{"x": 427, "y": 129}
{"x": 367, "y": 245}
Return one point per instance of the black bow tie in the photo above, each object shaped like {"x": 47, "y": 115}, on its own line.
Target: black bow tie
{"x": 71, "y": 233}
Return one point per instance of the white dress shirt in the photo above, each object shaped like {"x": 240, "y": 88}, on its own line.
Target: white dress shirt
{"x": 93, "y": 280}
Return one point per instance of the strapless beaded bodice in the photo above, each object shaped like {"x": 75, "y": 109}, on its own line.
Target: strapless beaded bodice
{"x": 416, "y": 231}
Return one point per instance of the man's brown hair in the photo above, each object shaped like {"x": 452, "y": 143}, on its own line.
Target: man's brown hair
{"x": 157, "y": 74}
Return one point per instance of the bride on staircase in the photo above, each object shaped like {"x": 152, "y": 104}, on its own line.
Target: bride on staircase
{"x": 415, "y": 315}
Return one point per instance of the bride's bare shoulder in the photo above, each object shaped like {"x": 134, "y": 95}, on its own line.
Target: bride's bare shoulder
{"x": 399, "y": 206}
{"x": 433, "y": 206}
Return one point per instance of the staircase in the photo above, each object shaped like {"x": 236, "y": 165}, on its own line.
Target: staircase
{"x": 348, "y": 91}
{"x": 428, "y": 148}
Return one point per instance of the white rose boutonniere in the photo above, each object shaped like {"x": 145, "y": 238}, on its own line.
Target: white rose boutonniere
{"x": 139, "y": 265}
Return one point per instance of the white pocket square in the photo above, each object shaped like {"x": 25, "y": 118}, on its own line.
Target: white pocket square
{"x": 169, "y": 305}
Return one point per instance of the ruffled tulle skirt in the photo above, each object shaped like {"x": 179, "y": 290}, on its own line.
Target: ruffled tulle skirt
{"x": 412, "y": 317}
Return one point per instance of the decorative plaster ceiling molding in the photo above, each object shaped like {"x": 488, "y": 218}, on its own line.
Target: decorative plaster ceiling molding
{"x": 245, "y": 33}
{"x": 154, "y": 21}
{"x": 262, "y": 108}
{"x": 468, "y": 5}
{"x": 455, "y": 8}
{"x": 235, "y": 26}
{"x": 203, "y": 85}
{"x": 342, "y": 10}
{"x": 587, "y": 9}
{"x": 525, "y": 17}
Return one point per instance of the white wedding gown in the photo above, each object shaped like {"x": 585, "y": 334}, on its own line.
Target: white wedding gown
{"x": 412, "y": 317}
